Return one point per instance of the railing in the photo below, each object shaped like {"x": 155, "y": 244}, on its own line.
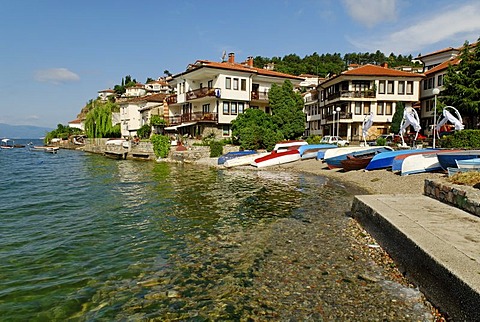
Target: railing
{"x": 352, "y": 94}
{"x": 192, "y": 117}
{"x": 202, "y": 92}
{"x": 343, "y": 116}
{"x": 172, "y": 99}
{"x": 259, "y": 96}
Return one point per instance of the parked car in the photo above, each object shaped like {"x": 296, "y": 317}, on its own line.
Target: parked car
{"x": 332, "y": 139}
{"x": 388, "y": 138}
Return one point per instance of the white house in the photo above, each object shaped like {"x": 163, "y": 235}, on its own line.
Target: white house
{"x": 77, "y": 123}
{"x": 104, "y": 94}
{"x": 209, "y": 95}
{"x": 158, "y": 86}
{"x": 136, "y": 112}
{"x": 136, "y": 90}
{"x": 346, "y": 99}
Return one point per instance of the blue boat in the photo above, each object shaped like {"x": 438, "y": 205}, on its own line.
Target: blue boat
{"x": 304, "y": 148}
{"x": 232, "y": 155}
{"x": 449, "y": 159}
{"x": 385, "y": 160}
{"x": 336, "y": 161}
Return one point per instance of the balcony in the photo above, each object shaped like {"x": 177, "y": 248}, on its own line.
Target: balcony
{"x": 259, "y": 96}
{"x": 193, "y": 117}
{"x": 352, "y": 94}
{"x": 172, "y": 99}
{"x": 202, "y": 92}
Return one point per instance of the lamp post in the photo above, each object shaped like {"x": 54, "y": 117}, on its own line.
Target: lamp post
{"x": 338, "y": 109}
{"x": 334, "y": 121}
{"x": 435, "y": 92}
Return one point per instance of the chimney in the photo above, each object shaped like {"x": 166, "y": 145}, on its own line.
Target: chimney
{"x": 250, "y": 61}
{"x": 384, "y": 65}
{"x": 231, "y": 58}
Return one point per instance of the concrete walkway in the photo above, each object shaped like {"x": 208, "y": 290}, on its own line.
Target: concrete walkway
{"x": 436, "y": 245}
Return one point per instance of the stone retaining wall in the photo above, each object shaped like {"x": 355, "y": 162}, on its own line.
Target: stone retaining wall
{"x": 464, "y": 197}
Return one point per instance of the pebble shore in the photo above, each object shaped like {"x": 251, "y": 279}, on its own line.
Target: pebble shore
{"x": 290, "y": 285}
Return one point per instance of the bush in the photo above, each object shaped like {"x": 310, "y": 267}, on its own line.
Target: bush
{"x": 465, "y": 139}
{"x": 216, "y": 149}
{"x": 381, "y": 141}
{"x": 144, "y": 131}
{"x": 314, "y": 139}
{"x": 161, "y": 145}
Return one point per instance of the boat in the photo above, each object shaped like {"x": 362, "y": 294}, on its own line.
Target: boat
{"x": 399, "y": 159}
{"x": 243, "y": 160}
{"x": 420, "y": 163}
{"x": 310, "y": 151}
{"x": 5, "y": 144}
{"x": 336, "y": 161}
{"x": 358, "y": 162}
{"x": 321, "y": 153}
{"x": 43, "y": 148}
{"x": 276, "y": 158}
{"x": 285, "y": 145}
{"x": 234, "y": 154}
{"x": 385, "y": 160}
{"x": 452, "y": 171}
{"x": 469, "y": 164}
{"x": 51, "y": 149}
{"x": 330, "y": 153}
{"x": 449, "y": 160}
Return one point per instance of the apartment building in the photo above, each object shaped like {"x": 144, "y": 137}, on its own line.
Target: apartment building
{"x": 210, "y": 95}
{"x": 346, "y": 99}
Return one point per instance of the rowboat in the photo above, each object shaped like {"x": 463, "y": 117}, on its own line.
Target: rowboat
{"x": 420, "y": 163}
{"x": 285, "y": 145}
{"x": 310, "y": 151}
{"x": 276, "y": 158}
{"x": 336, "y": 161}
{"x": 321, "y": 153}
{"x": 330, "y": 153}
{"x": 449, "y": 160}
{"x": 385, "y": 160}
{"x": 243, "y": 160}
{"x": 399, "y": 159}
{"x": 469, "y": 164}
{"x": 43, "y": 148}
{"x": 232, "y": 155}
{"x": 356, "y": 162}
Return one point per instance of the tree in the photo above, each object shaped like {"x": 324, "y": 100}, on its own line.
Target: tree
{"x": 397, "y": 118}
{"x": 98, "y": 122}
{"x": 254, "y": 129}
{"x": 462, "y": 85}
{"x": 287, "y": 110}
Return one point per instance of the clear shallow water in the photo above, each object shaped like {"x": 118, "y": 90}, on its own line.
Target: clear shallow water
{"x": 87, "y": 237}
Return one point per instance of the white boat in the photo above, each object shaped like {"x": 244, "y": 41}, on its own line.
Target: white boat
{"x": 5, "y": 144}
{"x": 419, "y": 163}
{"x": 51, "y": 149}
{"x": 473, "y": 164}
{"x": 276, "y": 158}
{"x": 43, "y": 148}
{"x": 285, "y": 145}
{"x": 330, "y": 153}
{"x": 244, "y": 160}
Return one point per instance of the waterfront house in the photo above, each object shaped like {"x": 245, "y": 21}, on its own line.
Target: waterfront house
{"x": 105, "y": 94}
{"x": 78, "y": 124}
{"x": 346, "y": 99}
{"x": 136, "y": 112}
{"x": 210, "y": 95}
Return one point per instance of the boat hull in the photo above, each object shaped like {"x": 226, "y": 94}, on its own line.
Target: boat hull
{"x": 420, "y": 163}
{"x": 336, "y": 161}
{"x": 243, "y": 160}
{"x": 448, "y": 160}
{"x": 385, "y": 160}
{"x": 356, "y": 163}
{"x": 473, "y": 164}
{"x": 276, "y": 158}
{"x": 232, "y": 155}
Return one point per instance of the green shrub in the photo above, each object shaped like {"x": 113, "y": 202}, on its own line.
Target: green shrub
{"x": 161, "y": 145}
{"x": 314, "y": 139}
{"x": 216, "y": 149}
{"x": 465, "y": 139}
{"x": 144, "y": 131}
{"x": 157, "y": 120}
{"x": 381, "y": 141}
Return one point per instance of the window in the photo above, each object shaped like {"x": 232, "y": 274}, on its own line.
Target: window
{"x": 424, "y": 84}
{"x": 366, "y": 108}
{"x": 381, "y": 87}
{"x": 430, "y": 82}
{"x": 226, "y": 108}
{"x": 226, "y": 130}
{"x": 409, "y": 88}
{"x": 206, "y": 108}
{"x": 235, "y": 84}
{"x": 388, "y": 108}
{"x": 243, "y": 84}
{"x": 390, "y": 87}
{"x": 233, "y": 108}
{"x": 440, "y": 80}
{"x": 380, "y": 110}
{"x": 241, "y": 108}
{"x": 228, "y": 83}
{"x": 401, "y": 87}
{"x": 358, "y": 108}
{"x": 210, "y": 84}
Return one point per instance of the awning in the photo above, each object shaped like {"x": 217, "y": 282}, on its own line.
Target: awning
{"x": 173, "y": 128}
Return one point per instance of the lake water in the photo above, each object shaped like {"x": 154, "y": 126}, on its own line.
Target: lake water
{"x": 84, "y": 237}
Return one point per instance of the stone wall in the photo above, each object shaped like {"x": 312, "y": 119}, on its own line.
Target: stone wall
{"x": 464, "y": 197}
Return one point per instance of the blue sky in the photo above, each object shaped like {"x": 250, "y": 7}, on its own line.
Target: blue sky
{"x": 57, "y": 54}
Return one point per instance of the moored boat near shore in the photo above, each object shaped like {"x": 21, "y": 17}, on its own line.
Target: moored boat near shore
{"x": 449, "y": 160}
{"x": 385, "y": 160}
{"x": 235, "y": 154}
{"x": 276, "y": 158}
{"x": 244, "y": 159}
{"x": 336, "y": 161}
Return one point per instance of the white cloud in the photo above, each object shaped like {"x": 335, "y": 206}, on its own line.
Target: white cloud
{"x": 56, "y": 76}
{"x": 453, "y": 24}
{"x": 371, "y": 12}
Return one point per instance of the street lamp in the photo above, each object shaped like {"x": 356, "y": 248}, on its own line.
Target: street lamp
{"x": 338, "y": 109}
{"x": 334, "y": 121}
{"x": 435, "y": 92}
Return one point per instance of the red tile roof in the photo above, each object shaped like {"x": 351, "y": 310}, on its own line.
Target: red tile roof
{"x": 239, "y": 67}
{"x": 148, "y": 98}
{"x": 442, "y": 66}
{"x": 374, "y": 70}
